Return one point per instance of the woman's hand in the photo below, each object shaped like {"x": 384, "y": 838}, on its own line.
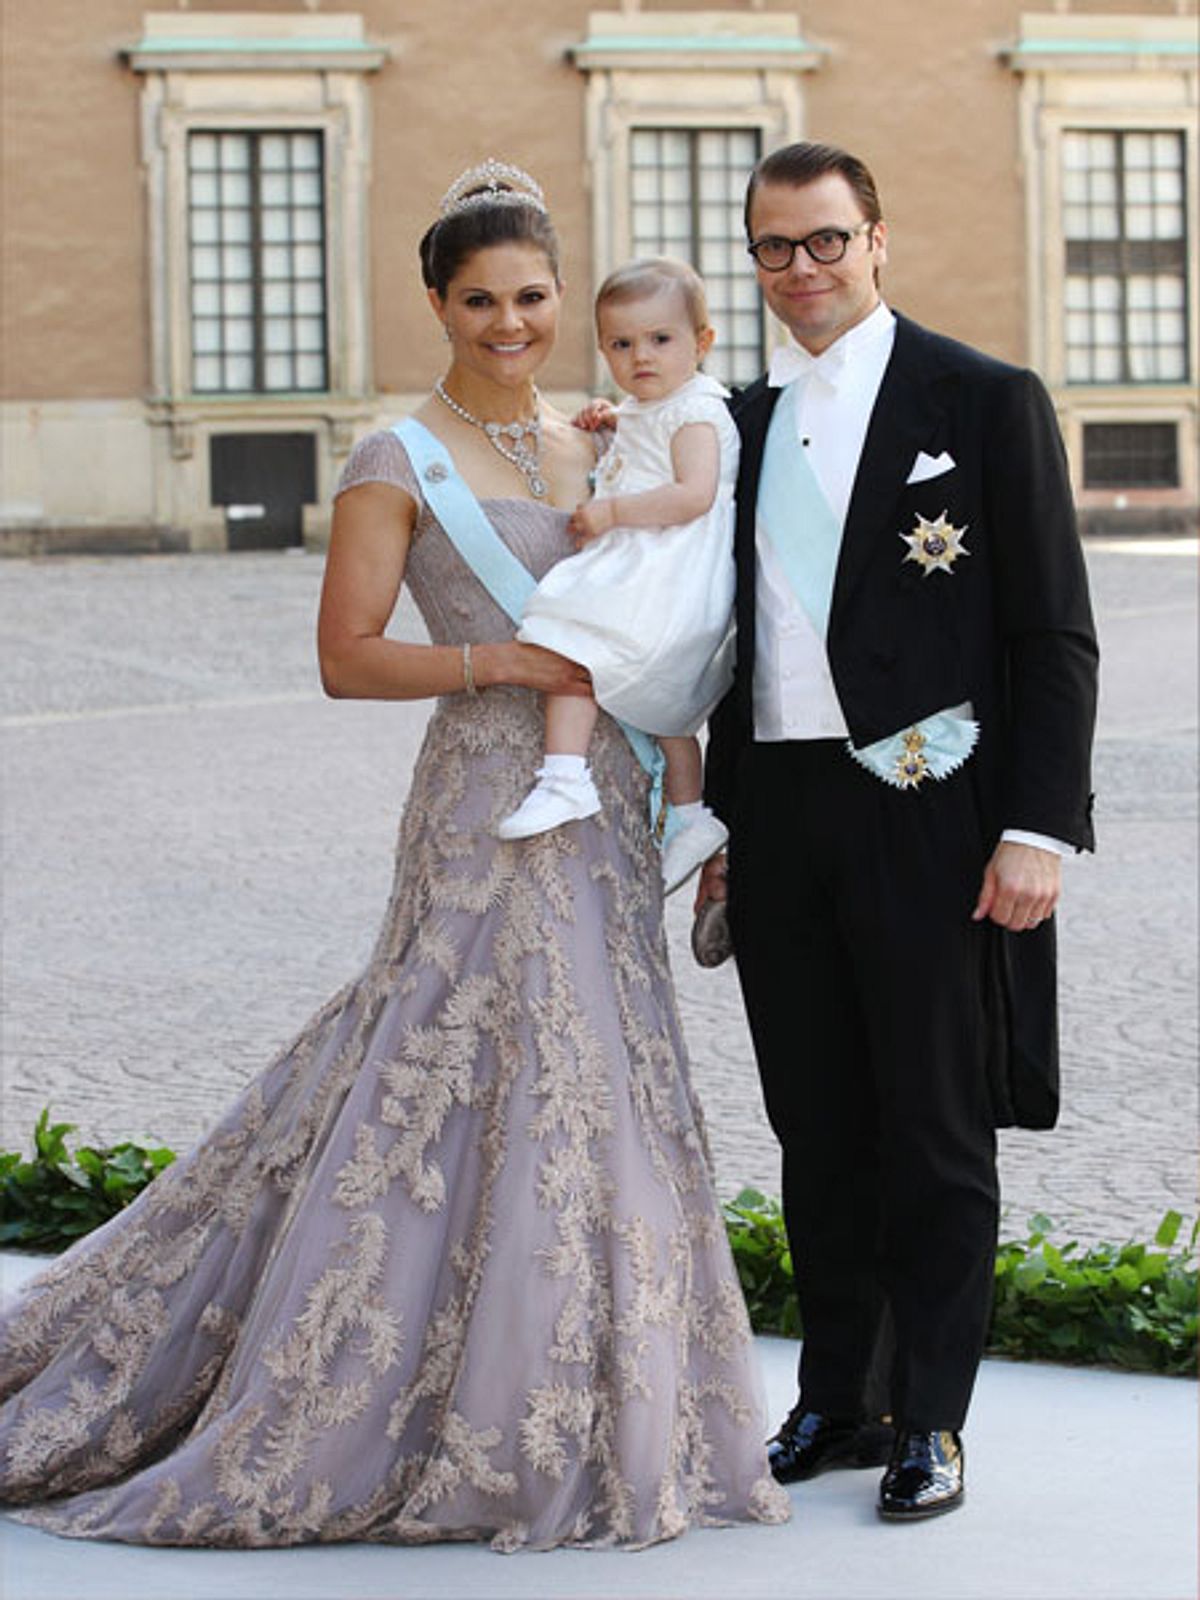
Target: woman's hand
{"x": 597, "y": 414}
{"x": 529, "y": 666}
{"x": 590, "y": 520}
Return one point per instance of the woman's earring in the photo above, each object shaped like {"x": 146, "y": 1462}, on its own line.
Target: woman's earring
{"x": 446, "y": 334}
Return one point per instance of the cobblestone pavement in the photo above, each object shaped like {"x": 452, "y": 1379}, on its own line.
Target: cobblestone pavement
{"x": 197, "y": 853}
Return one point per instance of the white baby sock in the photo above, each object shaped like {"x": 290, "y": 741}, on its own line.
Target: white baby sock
{"x": 560, "y": 766}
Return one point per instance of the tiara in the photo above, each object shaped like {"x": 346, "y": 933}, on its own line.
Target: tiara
{"x": 492, "y": 182}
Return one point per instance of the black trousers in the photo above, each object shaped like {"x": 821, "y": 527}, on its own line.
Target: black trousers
{"x": 850, "y": 906}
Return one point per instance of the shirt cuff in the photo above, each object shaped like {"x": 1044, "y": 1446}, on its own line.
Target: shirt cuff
{"x": 1040, "y": 841}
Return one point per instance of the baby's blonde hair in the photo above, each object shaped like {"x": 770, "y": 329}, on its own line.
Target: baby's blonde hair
{"x": 637, "y": 280}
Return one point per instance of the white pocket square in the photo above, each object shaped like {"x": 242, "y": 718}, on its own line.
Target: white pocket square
{"x": 930, "y": 466}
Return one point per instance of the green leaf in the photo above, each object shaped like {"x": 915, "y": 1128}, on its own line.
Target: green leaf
{"x": 1168, "y": 1229}
{"x": 1030, "y": 1273}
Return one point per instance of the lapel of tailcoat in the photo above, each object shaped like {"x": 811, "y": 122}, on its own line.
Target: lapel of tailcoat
{"x": 906, "y": 417}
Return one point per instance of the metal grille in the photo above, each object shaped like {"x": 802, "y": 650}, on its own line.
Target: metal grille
{"x": 257, "y": 241}
{"x": 687, "y": 187}
{"x": 1130, "y": 455}
{"x": 1125, "y": 223}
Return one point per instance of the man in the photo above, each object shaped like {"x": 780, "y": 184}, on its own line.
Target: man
{"x": 902, "y": 761}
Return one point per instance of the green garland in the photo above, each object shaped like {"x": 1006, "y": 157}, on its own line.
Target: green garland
{"x": 55, "y": 1198}
{"x": 1131, "y": 1305}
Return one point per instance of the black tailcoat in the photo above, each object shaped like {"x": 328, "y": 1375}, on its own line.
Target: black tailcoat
{"x": 1009, "y": 628}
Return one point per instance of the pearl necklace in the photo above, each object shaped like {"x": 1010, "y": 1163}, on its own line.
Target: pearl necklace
{"x": 525, "y": 457}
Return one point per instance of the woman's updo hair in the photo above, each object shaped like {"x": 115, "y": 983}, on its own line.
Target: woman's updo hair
{"x": 487, "y": 205}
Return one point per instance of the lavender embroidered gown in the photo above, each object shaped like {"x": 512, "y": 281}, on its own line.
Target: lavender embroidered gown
{"x": 452, "y": 1267}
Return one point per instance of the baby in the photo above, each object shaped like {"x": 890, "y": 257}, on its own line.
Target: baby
{"x": 647, "y": 603}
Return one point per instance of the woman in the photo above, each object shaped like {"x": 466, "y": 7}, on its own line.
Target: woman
{"x": 452, "y": 1268}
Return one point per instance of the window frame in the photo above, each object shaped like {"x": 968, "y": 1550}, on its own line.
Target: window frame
{"x": 1126, "y": 252}
{"x": 259, "y": 351}
{"x": 696, "y": 239}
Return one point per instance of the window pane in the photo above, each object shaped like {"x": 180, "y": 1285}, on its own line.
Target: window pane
{"x": 238, "y": 299}
{"x": 206, "y": 261}
{"x": 235, "y": 152}
{"x": 306, "y": 150}
{"x": 277, "y": 333}
{"x": 239, "y": 336}
{"x": 206, "y": 373}
{"x": 239, "y": 374}
{"x": 206, "y": 335}
{"x": 273, "y": 152}
{"x": 235, "y": 188}
{"x": 310, "y": 334}
{"x": 278, "y": 372}
{"x": 310, "y": 372}
{"x": 203, "y": 152}
{"x": 202, "y": 189}
{"x": 308, "y": 261}
{"x": 276, "y": 261}
{"x": 237, "y": 261}
{"x": 310, "y": 297}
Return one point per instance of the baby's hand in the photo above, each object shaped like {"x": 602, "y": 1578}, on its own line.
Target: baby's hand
{"x": 595, "y": 415}
{"x": 590, "y": 520}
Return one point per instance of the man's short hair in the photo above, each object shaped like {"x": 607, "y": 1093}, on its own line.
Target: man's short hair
{"x": 804, "y": 163}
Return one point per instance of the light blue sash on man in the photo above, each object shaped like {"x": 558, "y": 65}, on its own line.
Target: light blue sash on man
{"x": 806, "y": 537}
{"x": 796, "y": 517}
{"x": 506, "y": 579}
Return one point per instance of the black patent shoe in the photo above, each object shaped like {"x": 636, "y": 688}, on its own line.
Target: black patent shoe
{"x": 810, "y": 1442}
{"x": 924, "y": 1476}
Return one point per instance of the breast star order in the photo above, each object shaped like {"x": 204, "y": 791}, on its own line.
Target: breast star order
{"x": 934, "y": 545}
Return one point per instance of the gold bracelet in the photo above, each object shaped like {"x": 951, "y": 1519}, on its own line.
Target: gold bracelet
{"x": 468, "y": 671}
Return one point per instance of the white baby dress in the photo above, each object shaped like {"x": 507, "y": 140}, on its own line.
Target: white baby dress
{"x": 649, "y": 611}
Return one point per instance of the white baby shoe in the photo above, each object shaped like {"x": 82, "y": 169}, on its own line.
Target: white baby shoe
{"x": 690, "y": 847}
{"x": 556, "y": 798}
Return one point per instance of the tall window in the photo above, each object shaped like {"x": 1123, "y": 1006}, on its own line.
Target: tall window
{"x": 1125, "y": 224}
{"x": 687, "y": 187}
{"x": 257, "y": 243}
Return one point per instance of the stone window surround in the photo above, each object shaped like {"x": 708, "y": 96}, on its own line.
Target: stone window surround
{"x": 252, "y": 71}
{"x": 687, "y": 70}
{"x": 1125, "y": 73}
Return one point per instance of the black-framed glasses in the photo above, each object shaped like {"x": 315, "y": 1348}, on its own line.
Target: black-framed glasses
{"x": 825, "y": 246}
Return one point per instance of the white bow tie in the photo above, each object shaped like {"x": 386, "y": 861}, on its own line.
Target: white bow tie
{"x": 790, "y": 362}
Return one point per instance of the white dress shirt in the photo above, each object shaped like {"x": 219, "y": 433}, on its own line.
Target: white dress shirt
{"x": 794, "y": 694}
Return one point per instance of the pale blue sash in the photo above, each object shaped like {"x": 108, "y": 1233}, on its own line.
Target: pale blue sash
{"x": 806, "y": 537}
{"x": 796, "y": 517}
{"x": 932, "y": 748}
{"x": 506, "y": 579}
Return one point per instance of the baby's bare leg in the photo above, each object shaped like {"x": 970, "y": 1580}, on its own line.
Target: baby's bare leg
{"x": 570, "y": 719}
{"x": 683, "y": 777}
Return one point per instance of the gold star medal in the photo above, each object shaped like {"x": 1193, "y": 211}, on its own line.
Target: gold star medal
{"x": 934, "y": 545}
{"x": 912, "y": 767}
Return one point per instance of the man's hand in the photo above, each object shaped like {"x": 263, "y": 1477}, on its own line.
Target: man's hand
{"x": 712, "y": 885}
{"x": 1020, "y": 886}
